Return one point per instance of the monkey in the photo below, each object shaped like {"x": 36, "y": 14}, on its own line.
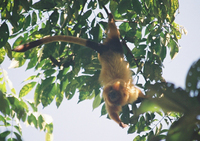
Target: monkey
{"x": 115, "y": 75}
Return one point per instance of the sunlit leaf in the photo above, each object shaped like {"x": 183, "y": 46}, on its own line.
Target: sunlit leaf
{"x": 37, "y": 94}
{"x": 59, "y": 98}
{"x": 173, "y": 48}
{"x": 97, "y": 101}
{"x": 49, "y": 127}
{"x": 2, "y": 55}
{"x": 32, "y": 120}
{"x": 26, "y": 89}
{"x": 48, "y": 137}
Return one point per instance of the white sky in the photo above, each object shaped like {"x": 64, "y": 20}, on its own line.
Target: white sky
{"x": 74, "y": 121}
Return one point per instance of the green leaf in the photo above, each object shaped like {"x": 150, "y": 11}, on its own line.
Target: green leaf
{"x": 100, "y": 15}
{"x": 48, "y": 137}
{"x": 44, "y": 4}
{"x": 5, "y": 105}
{"x": 192, "y": 82}
{"x": 172, "y": 99}
{"x": 27, "y": 22}
{"x": 173, "y": 48}
{"x": 163, "y": 52}
{"x": 41, "y": 122}
{"x": 59, "y": 96}
{"x": 124, "y": 26}
{"x": 183, "y": 129}
{"x": 97, "y": 32}
{"x": 31, "y": 78}
{"x": 2, "y": 55}
{"x": 37, "y": 94}
{"x": 32, "y": 104}
{"x": 92, "y": 4}
{"x": 139, "y": 51}
{"x": 146, "y": 106}
{"x": 49, "y": 128}
{"x": 113, "y": 6}
{"x": 97, "y": 101}
{"x": 19, "y": 107}
{"x": 4, "y": 134}
{"x": 48, "y": 94}
{"x": 54, "y": 17}
{"x": 136, "y": 6}
{"x": 26, "y": 89}
{"x": 47, "y": 82}
{"x": 103, "y": 110}
{"x": 123, "y": 6}
{"x": 19, "y": 137}
{"x": 130, "y": 35}
{"x": 174, "y": 6}
{"x": 32, "y": 120}
{"x": 132, "y": 129}
{"x": 152, "y": 71}
{"x": 32, "y": 62}
{"x": 17, "y": 62}
{"x": 8, "y": 50}
{"x": 87, "y": 14}
{"x": 3, "y": 87}
{"x": 4, "y": 34}
{"x": 49, "y": 72}
{"x": 83, "y": 95}
{"x": 64, "y": 83}
{"x": 34, "y": 18}
{"x": 125, "y": 114}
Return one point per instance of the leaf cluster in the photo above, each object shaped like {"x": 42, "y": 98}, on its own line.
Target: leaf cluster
{"x": 14, "y": 108}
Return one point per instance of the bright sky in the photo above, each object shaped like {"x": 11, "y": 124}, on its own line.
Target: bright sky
{"x": 75, "y": 122}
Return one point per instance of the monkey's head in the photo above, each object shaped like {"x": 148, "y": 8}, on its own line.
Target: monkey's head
{"x": 115, "y": 93}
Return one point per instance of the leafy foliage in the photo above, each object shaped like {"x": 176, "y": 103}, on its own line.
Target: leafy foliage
{"x": 148, "y": 24}
{"x": 15, "y": 108}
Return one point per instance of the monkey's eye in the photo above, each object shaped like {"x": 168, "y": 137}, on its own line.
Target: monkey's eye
{"x": 113, "y": 96}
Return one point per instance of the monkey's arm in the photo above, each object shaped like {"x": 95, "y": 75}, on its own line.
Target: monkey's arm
{"x": 93, "y": 45}
{"x": 113, "y": 112}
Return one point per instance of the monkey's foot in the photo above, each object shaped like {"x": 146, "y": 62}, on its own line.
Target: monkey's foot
{"x": 123, "y": 125}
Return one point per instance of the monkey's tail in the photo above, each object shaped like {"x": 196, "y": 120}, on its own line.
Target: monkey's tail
{"x": 95, "y": 46}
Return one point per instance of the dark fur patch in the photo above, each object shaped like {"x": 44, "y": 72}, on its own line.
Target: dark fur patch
{"x": 114, "y": 44}
{"x": 100, "y": 48}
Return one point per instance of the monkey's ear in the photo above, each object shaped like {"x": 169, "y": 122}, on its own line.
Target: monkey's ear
{"x": 116, "y": 86}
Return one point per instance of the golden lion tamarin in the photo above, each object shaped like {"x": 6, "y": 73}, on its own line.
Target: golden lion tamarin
{"x": 115, "y": 76}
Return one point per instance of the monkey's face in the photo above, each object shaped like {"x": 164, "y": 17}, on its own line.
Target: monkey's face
{"x": 114, "y": 93}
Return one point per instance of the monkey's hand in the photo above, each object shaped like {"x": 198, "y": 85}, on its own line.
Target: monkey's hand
{"x": 121, "y": 124}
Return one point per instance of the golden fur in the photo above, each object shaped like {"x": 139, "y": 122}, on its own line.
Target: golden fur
{"x": 116, "y": 78}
